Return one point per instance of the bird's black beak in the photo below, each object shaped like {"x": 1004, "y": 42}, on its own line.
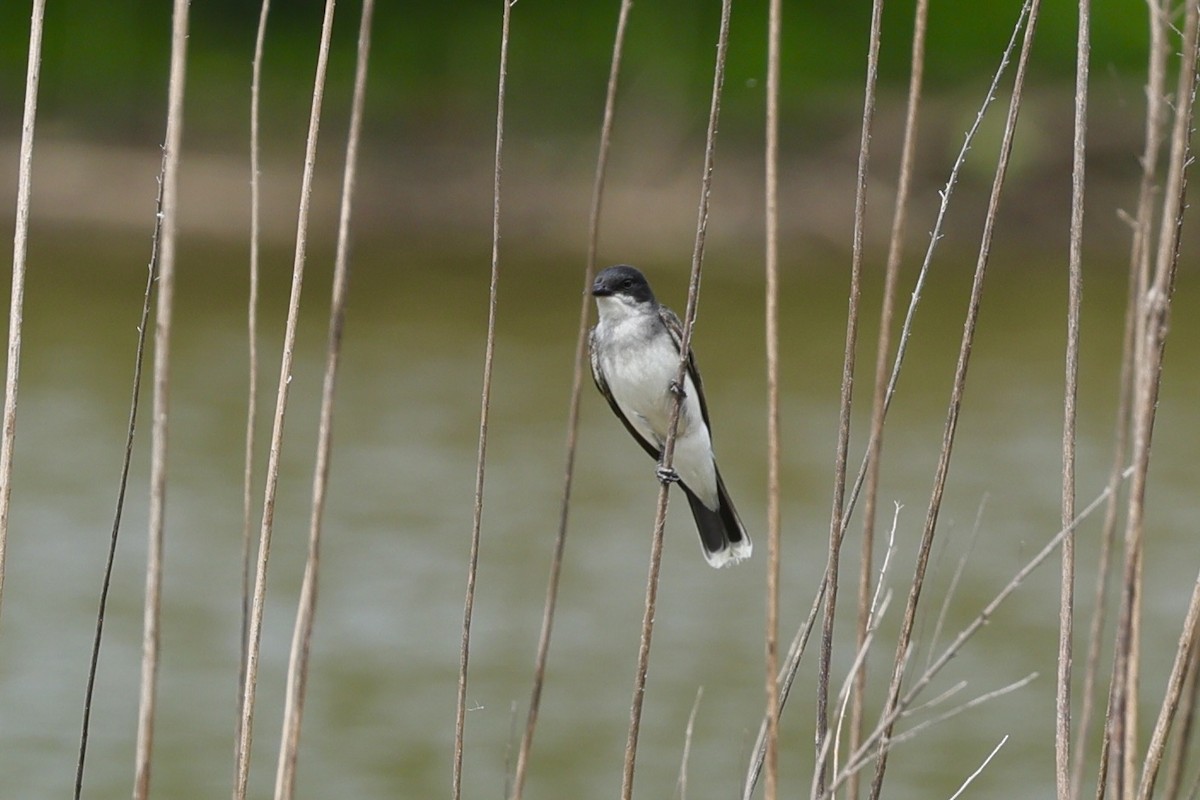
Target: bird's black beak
{"x": 600, "y": 290}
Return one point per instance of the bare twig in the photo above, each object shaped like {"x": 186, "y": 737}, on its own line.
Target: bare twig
{"x": 485, "y": 401}
{"x": 982, "y": 767}
{"x": 920, "y": 728}
{"x": 681, "y": 787}
{"x": 882, "y": 351}
{"x": 1062, "y": 727}
{"x": 954, "y": 581}
{"x": 668, "y": 452}
{"x": 242, "y": 767}
{"x": 20, "y": 250}
{"x": 543, "y": 648}
{"x": 252, "y": 367}
{"x": 297, "y": 677}
{"x": 837, "y": 525}
{"x": 158, "y": 434}
{"x": 774, "y": 517}
{"x": 960, "y": 376}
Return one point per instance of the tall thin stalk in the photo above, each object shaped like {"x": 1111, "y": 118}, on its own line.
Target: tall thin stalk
{"x": 577, "y": 381}
{"x": 252, "y": 368}
{"x": 774, "y": 519}
{"x": 485, "y": 402}
{"x": 1062, "y": 727}
{"x": 242, "y": 765}
{"x": 297, "y": 677}
{"x": 158, "y": 434}
{"x": 16, "y": 304}
{"x": 668, "y": 453}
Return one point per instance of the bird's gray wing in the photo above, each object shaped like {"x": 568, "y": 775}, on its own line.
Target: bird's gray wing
{"x": 602, "y": 385}
{"x": 675, "y": 328}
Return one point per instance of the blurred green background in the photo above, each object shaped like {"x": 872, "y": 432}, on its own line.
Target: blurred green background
{"x": 381, "y": 693}
{"x": 105, "y": 64}
{"x": 431, "y": 106}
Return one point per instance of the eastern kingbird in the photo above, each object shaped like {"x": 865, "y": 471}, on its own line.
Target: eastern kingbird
{"x": 635, "y": 360}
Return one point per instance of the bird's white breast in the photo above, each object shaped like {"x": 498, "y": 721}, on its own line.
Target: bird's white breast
{"x": 639, "y": 361}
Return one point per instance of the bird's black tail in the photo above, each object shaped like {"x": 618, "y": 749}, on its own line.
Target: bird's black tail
{"x": 722, "y": 536}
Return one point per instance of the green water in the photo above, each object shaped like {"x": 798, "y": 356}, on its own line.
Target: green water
{"x": 380, "y": 712}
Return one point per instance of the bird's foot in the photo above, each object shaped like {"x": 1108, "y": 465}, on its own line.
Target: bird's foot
{"x": 675, "y": 388}
{"x": 666, "y": 474}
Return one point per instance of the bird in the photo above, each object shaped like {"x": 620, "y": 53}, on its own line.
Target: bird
{"x": 635, "y": 356}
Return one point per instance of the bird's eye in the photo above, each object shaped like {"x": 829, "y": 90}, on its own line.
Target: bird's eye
{"x": 627, "y": 283}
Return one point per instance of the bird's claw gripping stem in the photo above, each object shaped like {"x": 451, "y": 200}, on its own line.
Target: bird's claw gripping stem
{"x": 666, "y": 474}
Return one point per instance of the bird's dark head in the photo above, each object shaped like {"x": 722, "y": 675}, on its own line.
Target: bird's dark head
{"x": 625, "y": 283}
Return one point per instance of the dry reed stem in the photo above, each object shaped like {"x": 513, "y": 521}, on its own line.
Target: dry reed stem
{"x": 960, "y": 377}
{"x": 774, "y": 515}
{"x": 17, "y": 296}
{"x": 882, "y": 350}
{"x": 485, "y": 402}
{"x": 681, "y": 785}
{"x": 668, "y": 451}
{"x": 158, "y": 434}
{"x": 837, "y": 524}
{"x": 1139, "y": 267}
{"x": 297, "y": 676}
{"x": 1062, "y": 727}
{"x": 577, "y": 380}
{"x": 252, "y": 367}
{"x": 242, "y": 767}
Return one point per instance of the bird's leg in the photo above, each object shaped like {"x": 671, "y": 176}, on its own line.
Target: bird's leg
{"x": 676, "y": 388}
{"x": 666, "y": 474}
